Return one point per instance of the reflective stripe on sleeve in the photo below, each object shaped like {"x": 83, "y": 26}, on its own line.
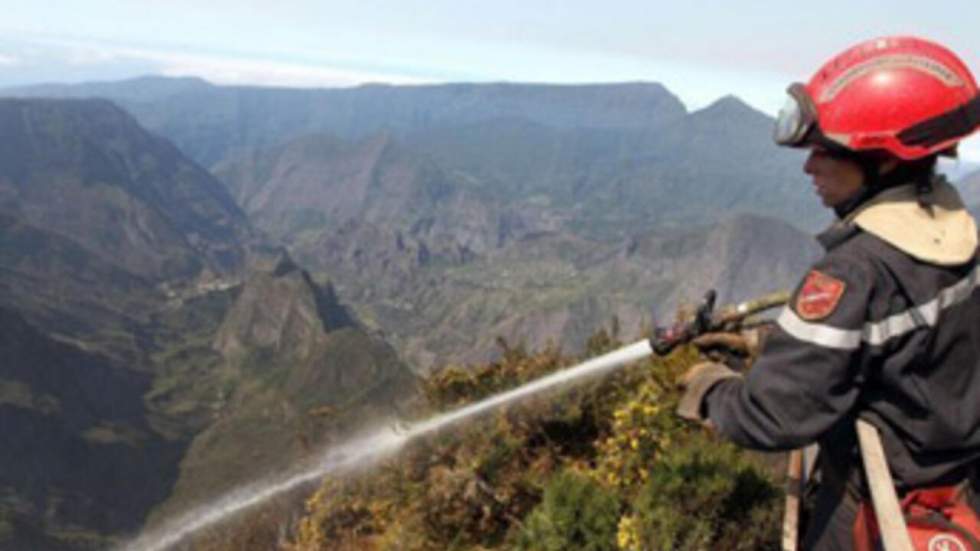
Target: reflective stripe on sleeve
{"x": 879, "y": 332}
{"x": 818, "y": 333}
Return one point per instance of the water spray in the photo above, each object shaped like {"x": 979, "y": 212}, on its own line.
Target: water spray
{"x": 358, "y": 453}
{"x": 363, "y": 451}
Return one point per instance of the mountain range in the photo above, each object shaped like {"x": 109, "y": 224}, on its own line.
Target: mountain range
{"x": 435, "y": 241}
{"x": 607, "y": 156}
{"x": 388, "y": 191}
{"x": 210, "y": 121}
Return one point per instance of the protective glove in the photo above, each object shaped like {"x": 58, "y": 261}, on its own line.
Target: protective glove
{"x": 696, "y": 383}
{"x": 745, "y": 343}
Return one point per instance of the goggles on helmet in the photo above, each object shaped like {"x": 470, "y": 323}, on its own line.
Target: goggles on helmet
{"x": 797, "y": 122}
{"x": 796, "y": 119}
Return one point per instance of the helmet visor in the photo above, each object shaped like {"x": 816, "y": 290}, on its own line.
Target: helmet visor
{"x": 796, "y": 119}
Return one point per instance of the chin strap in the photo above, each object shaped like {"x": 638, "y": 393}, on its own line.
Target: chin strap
{"x": 875, "y": 183}
{"x": 924, "y": 186}
{"x": 950, "y": 125}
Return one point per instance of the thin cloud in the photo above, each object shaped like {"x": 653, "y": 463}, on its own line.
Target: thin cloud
{"x": 269, "y": 73}
{"x": 81, "y": 55}
{"x": 8, "y": 61}
{"x": 222, "y": 69}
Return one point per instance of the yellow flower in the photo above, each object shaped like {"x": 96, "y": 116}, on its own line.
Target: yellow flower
{"x": 626, "y": 536}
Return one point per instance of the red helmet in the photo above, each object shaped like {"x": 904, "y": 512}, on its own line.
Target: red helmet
{"x": 905, "y": 95}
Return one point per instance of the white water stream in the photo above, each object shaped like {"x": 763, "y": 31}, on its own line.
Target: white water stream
{"x": 364, "y": 451}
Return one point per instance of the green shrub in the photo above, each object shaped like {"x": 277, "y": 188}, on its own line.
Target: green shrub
{"x": 575, "y": 514}
{"x": 705, "y": 494}
{"x": 606, "y": 465}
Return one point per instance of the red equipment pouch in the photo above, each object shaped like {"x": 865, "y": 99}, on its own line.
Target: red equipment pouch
{"x": 938, "y": 519}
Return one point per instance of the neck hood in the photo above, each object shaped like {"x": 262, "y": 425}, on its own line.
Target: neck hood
{"x": 933, "y": 227}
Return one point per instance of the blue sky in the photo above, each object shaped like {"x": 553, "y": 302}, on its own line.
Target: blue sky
{"x": 701, "y": 50}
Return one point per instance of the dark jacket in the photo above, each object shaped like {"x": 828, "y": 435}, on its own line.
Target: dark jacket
{"x": 900, "y": 347}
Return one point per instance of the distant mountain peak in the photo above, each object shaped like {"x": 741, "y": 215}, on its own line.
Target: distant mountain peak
{"x": 280, "y": 305}
{"x": 157, "y": 79}
{"x": 729, "y": 104}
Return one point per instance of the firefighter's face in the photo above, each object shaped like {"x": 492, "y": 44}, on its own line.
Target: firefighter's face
{"x": 835, "y": 179}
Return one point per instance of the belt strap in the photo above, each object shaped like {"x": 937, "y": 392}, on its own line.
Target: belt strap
{"x": 794, "y": 494}
{"x": 891, "y": 521}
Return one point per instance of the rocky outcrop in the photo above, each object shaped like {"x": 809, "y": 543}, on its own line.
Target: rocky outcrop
{"x": 281, "y": 310}
{"x": 289, "y": 352}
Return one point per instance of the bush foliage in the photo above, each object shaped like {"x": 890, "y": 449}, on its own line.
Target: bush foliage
{"x": 575, "y": 514}
{"x": 605, "y": 465}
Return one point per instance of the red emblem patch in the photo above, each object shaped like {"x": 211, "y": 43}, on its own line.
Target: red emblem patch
{"x": 819, "y": 295}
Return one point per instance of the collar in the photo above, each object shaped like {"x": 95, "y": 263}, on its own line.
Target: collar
{"x": 934, "y": 227}
{"x": 836, "y": 234}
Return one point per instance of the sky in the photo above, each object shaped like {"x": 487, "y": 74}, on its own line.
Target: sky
{"x": 701, "y": 50}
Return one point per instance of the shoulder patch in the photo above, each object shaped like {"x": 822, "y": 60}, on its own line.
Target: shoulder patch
{"x": 819, "y": 295}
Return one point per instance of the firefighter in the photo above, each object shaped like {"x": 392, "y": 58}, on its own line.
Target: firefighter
{"x": 886, "y": 326}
